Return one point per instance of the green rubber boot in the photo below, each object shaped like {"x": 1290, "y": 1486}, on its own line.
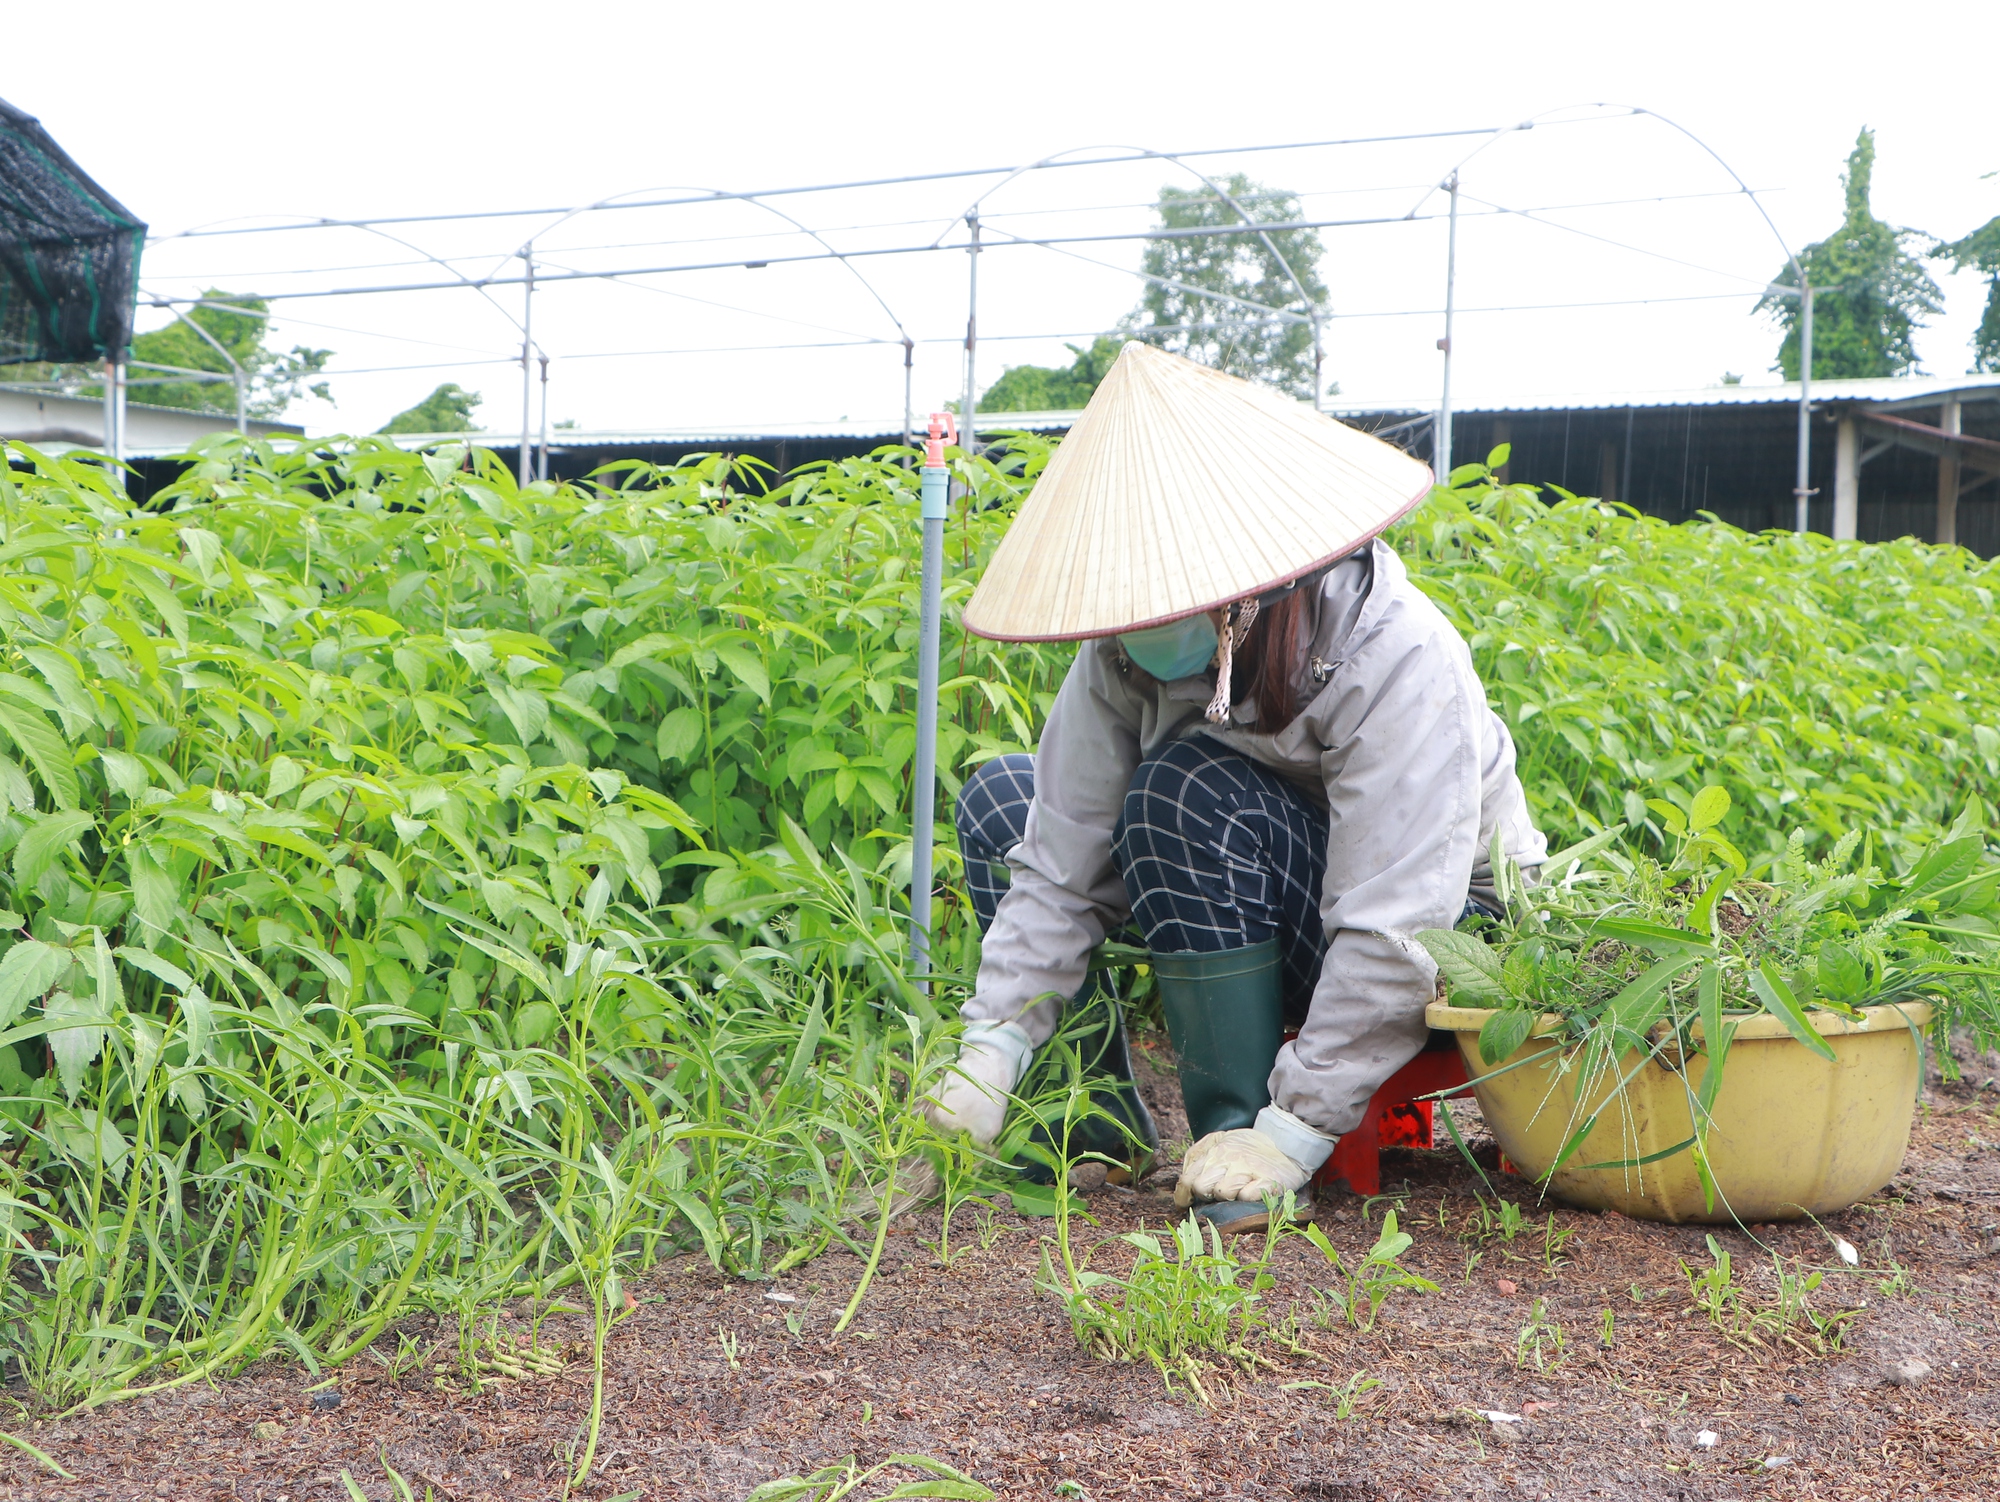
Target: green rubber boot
{"x": 1225, "y": 1014}
{"x": 1093, "y": 1024}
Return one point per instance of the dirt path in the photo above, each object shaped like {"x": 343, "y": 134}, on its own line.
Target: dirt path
{"x": 968, "y": 1364}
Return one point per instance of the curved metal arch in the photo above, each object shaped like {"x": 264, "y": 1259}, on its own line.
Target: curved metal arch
{"x": 723, "y": 196}
{"x": 1630, "y": 109}
{"x": 1801, "y": 491}
{"x": 1145, "y": 153}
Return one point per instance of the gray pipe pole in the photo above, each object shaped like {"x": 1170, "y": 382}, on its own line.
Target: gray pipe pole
{"x": 242, "y": 415}
{"x": 118, "y": 415}
{"x": 527, "y": 345}
{"x": 1801, "y": 495}
{"x": 1441, "y": 447}
{"x": 1319, "y": 385}
{"x": 935, "y": 493}
{"x": 909, "y": 361}
{"x": 542, "y": 464}
{"x": 968, "y": 434}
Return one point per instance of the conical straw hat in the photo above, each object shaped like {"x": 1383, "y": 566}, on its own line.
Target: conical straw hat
{"x": 1178, "y": 490}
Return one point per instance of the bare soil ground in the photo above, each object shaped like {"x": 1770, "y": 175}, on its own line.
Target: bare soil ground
{"x": 967, "y": 1363}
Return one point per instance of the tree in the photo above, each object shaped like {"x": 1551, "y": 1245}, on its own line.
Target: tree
{"x": 446, "y": 410}
{"x": 1869, "y": 292}
{"x": 1234, "y": 269}
{"x": 1980, "y": 251}
{"x": 1049, "y": 388}
{"x": 239, "y": 325}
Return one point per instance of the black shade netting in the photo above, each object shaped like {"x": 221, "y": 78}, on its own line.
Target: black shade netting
{"x": 69, "y": 253}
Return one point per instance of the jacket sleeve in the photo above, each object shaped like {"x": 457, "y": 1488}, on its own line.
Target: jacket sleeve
{"x": 1065, "y": 893}
{"x": 1402, "y": 771}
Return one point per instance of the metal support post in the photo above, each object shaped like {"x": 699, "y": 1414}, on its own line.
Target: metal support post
{"x": 909, "y": 370}
{"x": 1950, "y": 419}
{"x": 1319, "y": 356}
{"x": 1847, "y": 478}
{"x": 242, "y": 409}
{"x": 1801, "y": 493}
{"x": 1441, "y": 443}
{"x": 1625, "y": 463}
{"x": 923, "y": 790}
{"x": 527, "y": 347}
{"x": 542, "y": 464}
{"x": 118, "y": 416}
{"x": 968, "y": 434}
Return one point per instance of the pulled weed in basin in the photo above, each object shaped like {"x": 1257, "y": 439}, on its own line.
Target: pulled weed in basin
{"x": 1641, "y": 961}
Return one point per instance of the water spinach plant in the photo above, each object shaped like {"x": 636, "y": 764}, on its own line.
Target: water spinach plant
{"x": 418, "y": 889}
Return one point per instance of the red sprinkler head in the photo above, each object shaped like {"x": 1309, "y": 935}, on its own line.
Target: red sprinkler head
{"x": 944, "y": 429}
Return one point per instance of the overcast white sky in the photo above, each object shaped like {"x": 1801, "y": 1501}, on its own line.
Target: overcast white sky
{"x": 201, "y": 114}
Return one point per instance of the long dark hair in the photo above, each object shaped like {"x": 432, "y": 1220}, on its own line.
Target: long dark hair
{"x": 1268, "y": 661}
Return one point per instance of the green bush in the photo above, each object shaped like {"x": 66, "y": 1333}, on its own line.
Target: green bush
{"x": 1831, "y": 685}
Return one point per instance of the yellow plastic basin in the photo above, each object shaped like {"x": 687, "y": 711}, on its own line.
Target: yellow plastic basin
{"x": 1791, "y": 1134}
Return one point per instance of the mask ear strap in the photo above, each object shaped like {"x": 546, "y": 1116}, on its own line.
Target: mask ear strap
{"x": 1236, "y": 624}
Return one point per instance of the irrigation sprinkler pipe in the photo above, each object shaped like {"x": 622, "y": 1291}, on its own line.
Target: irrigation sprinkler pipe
{"x": 527, "y": 350}
{"x": 968, "y": 425}
{"x": 1262, "y": 232}
{"x": 1441, "y": 458}
{"x": 708, "y": 196}
{"x": 935, "y": 491}
{"x": 542, "y": 465}
{"x": 1801, "y": 492}
{"x": 236, "y": 371}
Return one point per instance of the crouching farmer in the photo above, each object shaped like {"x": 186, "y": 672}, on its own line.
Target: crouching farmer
{"x": 1272, "y": 754}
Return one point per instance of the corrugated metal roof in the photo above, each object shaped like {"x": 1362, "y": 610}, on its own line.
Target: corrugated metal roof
{"x": 1910, "y": 390}
{"x": 885, "y": 430}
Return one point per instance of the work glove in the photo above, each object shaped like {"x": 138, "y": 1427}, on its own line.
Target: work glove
{"x": 992, "y": 1057}
{"x": 1271, "y": 1159}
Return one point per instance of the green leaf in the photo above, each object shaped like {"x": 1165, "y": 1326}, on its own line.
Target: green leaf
{"x": 1638, "y": 1006}
{"x": 1671, "y": 816}
{"x": 1504, "y": 1033}
{"x": 155, "y": 899}
{"x": 1711, "y": 1079}
{"x": 1559, "y": 864}
{"x": 1781, "y": 1004}
{"x": 44, "y": 748}
{"x": 1942, "y": 867}
{"x": 680, "y": 732}
{"x": 748, "y": 670}
{"x": 45, "y": 843}
{"x": 285, "y": 774}
{"x": 77, "y": 1044}
{"x": 1654, "y": 937}
{"x": 27, "y": 971}
{"x": 1841, "y": 975}
{"x": 1470, "y": 966}
{"x": 1709, "y": 807}
{"x": 125, "y": 773}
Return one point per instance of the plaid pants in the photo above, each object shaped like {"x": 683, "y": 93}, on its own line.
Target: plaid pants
{"x": 1216, "y": 851}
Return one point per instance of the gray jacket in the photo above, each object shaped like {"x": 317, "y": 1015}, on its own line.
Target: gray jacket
{"x": 1397, "y": 743}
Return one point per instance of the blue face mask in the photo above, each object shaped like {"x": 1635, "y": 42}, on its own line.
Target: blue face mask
{"x": 1179, "y": 649}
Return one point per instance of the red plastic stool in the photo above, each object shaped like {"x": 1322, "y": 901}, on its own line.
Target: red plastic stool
{"x": 1394, "y": 1119}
